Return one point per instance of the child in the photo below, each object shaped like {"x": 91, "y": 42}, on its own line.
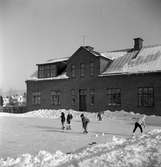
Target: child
{"x": 69, "y": 118}
{"x": 99, "y": 117}
{"x": 62, "y": 120}
{"x": 139, "y": 123}
{"x": 85, "y": 122}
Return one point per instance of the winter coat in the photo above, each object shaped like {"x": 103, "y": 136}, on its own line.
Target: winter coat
{"x": 69, "y": 117}
{"x": 62, "y": 117}
{"x": 142, "y": 121}
{"x": 85, "y": 121}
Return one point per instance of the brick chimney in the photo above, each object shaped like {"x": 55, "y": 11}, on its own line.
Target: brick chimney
{"x": 138, "y": 43}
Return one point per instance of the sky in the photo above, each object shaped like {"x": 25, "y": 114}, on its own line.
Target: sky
{"x": 33, "y": 31}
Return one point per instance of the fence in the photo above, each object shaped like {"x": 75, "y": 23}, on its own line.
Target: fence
{"x": 14, "y": 109}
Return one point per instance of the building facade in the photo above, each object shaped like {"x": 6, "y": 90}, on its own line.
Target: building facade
{"x": 127, "y": 79}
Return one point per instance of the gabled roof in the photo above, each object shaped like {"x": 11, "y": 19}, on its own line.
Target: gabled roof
{"x": 95, "y": 53}
{"x": 148, "y": 59}
{"x": 64, "y": 59}
{"x": 126, "y": 61}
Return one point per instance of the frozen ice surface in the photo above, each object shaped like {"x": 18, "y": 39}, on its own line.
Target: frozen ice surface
{"x": 35, "y": 139}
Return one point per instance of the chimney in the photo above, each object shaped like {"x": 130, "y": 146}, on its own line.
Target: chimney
{"x": 138, "y": 43}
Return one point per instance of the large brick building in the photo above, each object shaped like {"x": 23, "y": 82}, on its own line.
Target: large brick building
{"x": 128, "y": 79}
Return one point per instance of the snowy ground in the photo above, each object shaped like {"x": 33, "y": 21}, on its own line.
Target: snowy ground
{"x": 23, "y": 137}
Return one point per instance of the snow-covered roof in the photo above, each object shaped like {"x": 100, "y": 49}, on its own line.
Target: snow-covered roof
{"x": 113, "y": 55}
{"x": 34, "y": 77}
{"x": 148, "y": 59}
{"x": 96, "y": 53}
{"x": 56, "y": 60}
{"x": 126, "y": 61}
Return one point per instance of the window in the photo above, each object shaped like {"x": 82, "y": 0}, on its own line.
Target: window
{"x": 92, "y": 96}
{"x": 53, "y": 70}
{"x": 91, "y": 69}
{"x": 73, "y": 93}
{"x": 145, "y": 97}
{"x": 83, "y": 92}
{"x": 41, "y": 71}
{"x": 47, "y": 71}
{"x": 36, "y": 98}
{"x": 114, "y": 97}
{"x": 73, "y": 71}
{"x": 82, "y": 70}
{"x": 55, "y": 98}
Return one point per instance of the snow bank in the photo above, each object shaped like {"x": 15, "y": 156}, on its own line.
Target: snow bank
{"x": 144, "y": 150}
{"x": 114, "y": 115}
{"x": 54, "y": 114}
{"x": 50, "y": 114}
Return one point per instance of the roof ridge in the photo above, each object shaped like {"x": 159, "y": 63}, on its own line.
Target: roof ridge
{"x": 150, "y": 46}
{"x": 128, "y": 49}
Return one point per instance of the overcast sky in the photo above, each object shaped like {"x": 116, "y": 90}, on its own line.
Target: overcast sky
{"x": 32, "y": 31}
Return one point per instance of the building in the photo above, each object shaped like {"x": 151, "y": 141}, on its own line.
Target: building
{"x": 128, "y": 79}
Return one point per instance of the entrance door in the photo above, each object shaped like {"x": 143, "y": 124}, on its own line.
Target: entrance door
{"x": 82, "y": 100}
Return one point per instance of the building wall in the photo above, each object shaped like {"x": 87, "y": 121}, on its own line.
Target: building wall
{"x": 127, "y": 83}
{"x": 85, "y": 57}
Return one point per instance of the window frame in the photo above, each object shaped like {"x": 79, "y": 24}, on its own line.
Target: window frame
{"x": 73, "y": 97}
{"x": 145, "y": 97}
{"x": 73, "y": 71}
{"x": 92, "y": 96}
{"x": 82, "y": 70}
{"x": 113, "y": 96}
{"x": 55, "y": 97}
{"x": 36, "y": 98}
{"x": 40, "y": 71}
{"x": 91, "y": 69}
{"x": 47, "y": 71}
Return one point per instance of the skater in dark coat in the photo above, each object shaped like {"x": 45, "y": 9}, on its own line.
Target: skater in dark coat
{"x": 99, "y": 117}
{"x": 139, "y": 123}
{"x": 69, "y": 118}
{"x": 1, "y": 101}
{"x": 62, "y": 119}
{"x": 85, "y": 122}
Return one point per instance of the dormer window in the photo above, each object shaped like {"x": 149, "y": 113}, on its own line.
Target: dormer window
{"x": 91, "y": 69}
{"x": 73, "y": 71}
{"x": 40, "y": 71}
{"x": 53, "y": 70}
{"x": 46, "y": 71}
{"x": 82, "y": 70}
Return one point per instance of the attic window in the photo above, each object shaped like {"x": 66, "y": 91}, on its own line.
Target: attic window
{"x": 91, "y": 69}
{"x": 46, "y": 71}
{"x": 82, "y": 70}
{"x": 73, "y": 71}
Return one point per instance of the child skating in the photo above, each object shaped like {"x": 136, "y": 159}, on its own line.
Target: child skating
{"x": 69, "y": 118}
{"x": 85, "y": 122}
{"x": 62, "y": 120}
{"x": 140, "y": 123}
